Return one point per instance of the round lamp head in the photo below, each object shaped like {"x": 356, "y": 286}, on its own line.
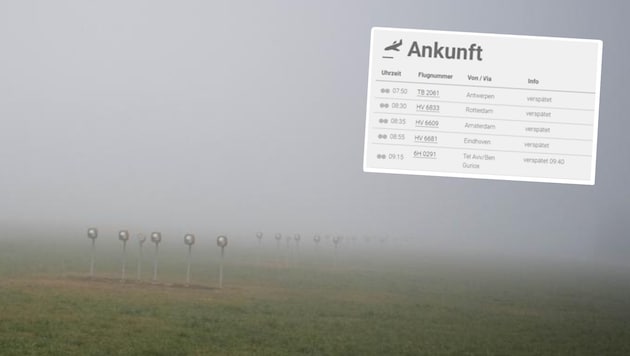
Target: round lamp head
{"x": 336, "y": 239}
{"x": 317, "y": 238}
{"x": 123, "y": 235}
{"x": 259, "y": 235}
{"x": 222, "y": 241}
{"x": 92, "y": 233}
{"x": 278, "y": 236}
{"x": 189, "y": 239}
{"x": 156, "y": 237}
{"x": 297, "y": 237}
{"x": 142, "y": 238}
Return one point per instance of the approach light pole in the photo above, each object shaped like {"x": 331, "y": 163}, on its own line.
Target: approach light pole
{"x": 336, "y": 240}
{"x": 297, "y": 238}
{"x": 92, "y": 235}
{"x": 278, "y": 238}
{"x": 123, "y": 235}
{"x": 141, "y": 239}
{"x": 259, "y": 236}
{"x": 156, "y": 238}
{"x": 189, "y": 239}
{"x": 222, "y": 241}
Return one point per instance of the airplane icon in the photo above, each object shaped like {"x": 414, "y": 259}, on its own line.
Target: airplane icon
{"x": 394, "y": 46}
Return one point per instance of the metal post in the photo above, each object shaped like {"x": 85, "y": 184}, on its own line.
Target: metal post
{"x": 92, "y": 234}
{"x": 124, "y": 262}
{"x": 222, "y": 241}
{"x": 155, "y": 264}
{"x": 139, "y": 273}
{"x": 286, "y": 259}
{"x": 221, "y": 271}
{"x": 188, "y": 268}
{"x": 278, "y": 255}
{"x": 259, "y": 252}
{"x": 92, "y": 259}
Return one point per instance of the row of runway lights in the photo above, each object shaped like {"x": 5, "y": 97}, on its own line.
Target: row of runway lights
{"x": 189, "y": 240}
{"x": 156, "y": 238}
{"x": 298, "y": 237}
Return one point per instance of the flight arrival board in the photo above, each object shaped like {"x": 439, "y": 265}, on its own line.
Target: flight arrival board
{"x": 482, "y": 106}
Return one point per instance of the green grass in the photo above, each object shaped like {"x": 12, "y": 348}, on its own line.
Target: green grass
{"x": 397, "y": 305}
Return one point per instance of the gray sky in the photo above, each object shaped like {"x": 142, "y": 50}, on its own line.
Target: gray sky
{"x": 245, "y": 116}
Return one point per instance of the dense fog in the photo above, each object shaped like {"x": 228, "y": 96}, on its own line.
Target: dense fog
{"x": 228, "y": 117}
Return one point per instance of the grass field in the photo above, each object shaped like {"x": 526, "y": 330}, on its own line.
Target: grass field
{"x": 368, "y": 303}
